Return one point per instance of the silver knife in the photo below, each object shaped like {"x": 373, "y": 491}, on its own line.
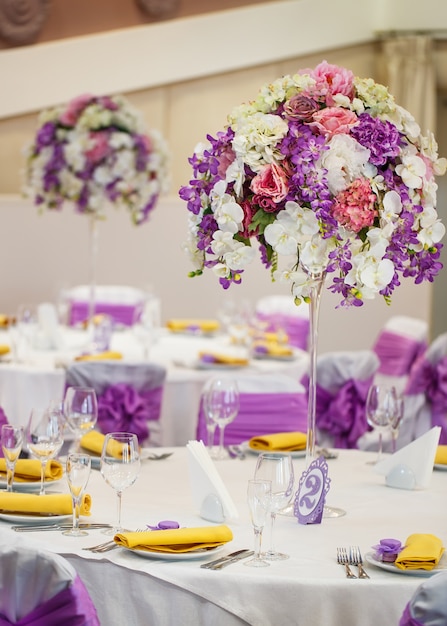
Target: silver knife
{"x": 24, "y": 528}
{"x": 239, "y": 554}
{"x": 234, "y": 559}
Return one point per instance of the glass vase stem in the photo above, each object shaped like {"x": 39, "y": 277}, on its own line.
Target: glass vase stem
{"x": 94, "y": 246}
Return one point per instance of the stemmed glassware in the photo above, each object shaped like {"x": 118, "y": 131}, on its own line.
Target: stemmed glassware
{"x": 120, "y": 465}
{"x": 259, "y": 494}
{"x": 221, "y": 403}
{"x": 81, "y": 412}
{"x": 44, "y": 438}
{"x": 395, "y": 421}
{"x": 278, "y": 469}
{"x": 77, "y": 470}
{"x": 381, "y": 405}
{"x": 12, "y": 441}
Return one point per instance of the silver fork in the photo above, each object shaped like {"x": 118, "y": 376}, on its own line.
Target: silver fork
{"x": 343, "y": 559}
{"x": 109, "y": 545}
{"x": 355, "y": 558}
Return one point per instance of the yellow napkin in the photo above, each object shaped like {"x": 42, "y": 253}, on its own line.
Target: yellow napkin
{"x": 272, "y": 348}
{"x": 422, "y": 551}
{"x": 441, "y": 455}
{"x": 100, "y": 356}
{"x": 4, "y": 320}
{"x": 34, "y": 504}
{"x": 94, "y": 441}
{"x": 176, "y": 540}
{"x": 179, "y": 325}
{"x": 4, "y": 349}
{"x": 222, "y": 359}
{"x": 287, "y": 442}
{"x": 29, "y": 470}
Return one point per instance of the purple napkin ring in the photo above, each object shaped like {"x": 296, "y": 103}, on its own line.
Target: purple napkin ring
{"x": 165, "y": 525}
{"x": 387, "y": 550}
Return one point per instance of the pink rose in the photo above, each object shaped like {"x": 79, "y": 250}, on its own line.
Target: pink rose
{"x": 100, "y": 147}
{"x": 300, "y": 107}
{"x": 334, "y": 121}
{"x": 331, "y": 80}
{"x": 271, "y": 182}
{"x": 74, "y": 109}
{"x": 249, "y": 211}
{"x": 226, "y": 158}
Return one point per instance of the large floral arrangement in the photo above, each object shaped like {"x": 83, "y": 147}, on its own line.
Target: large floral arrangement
{"x": 95, "y": 152}
{"x": 326, "y": 171}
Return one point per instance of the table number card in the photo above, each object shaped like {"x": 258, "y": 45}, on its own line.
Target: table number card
{"x": 311, "y": 494}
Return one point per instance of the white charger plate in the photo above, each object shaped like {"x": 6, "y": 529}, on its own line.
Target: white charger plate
{"x": 17, "y": 518}
{"x": 33, "y": 485}
{"x": 440, "y": 466}
{"x": 180, "y": 556}
{"x": 296, "y": 454}
{"x": 390, "y": 567}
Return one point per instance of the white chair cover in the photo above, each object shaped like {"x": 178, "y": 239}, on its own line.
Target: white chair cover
{"x": 428, "y": 604}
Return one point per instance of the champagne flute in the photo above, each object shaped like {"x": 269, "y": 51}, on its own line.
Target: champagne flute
{"x": 259, "y": 494}
{"x": 278, "y": 469}
{"x": 120, "y": 465}
{"x": 221, "y": 402}
{"x": 44, "y": 438}
{"x": 77, "y": 470}
{"x": 396, "y": 420}
{"x": 81, "y": 412}
{"x": 381, "y": 405}
{"x": 12, "y": 441}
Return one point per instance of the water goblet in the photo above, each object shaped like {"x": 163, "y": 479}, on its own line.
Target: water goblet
{"x": 278, "y": 469}
{"x": 77, "y": 470}
{"x": 120, "y": 465}
{"x": 259, "y": 493}
{"x": 12, "y": 441}
{"x": 381, "y": 405}
{"x": 221, "y": 403}
{"x": 44, "y": 438}
{"x": 81, "y": 412}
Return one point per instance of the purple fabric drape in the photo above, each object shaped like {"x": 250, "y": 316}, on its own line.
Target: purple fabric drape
{"x": 407, "y": 620}
{"x": 397, "y": 353}
{"x": 122, "y": 408}
{"x": 343, "y": 415}
{"x": 70, "y": 607}
{"x": 120, "y": 313}
{"x": 431, "y": 379}
{"x": 261, "y": 414}
{"x": 296, "y": 328}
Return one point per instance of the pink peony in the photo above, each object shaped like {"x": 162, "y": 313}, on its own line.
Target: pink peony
{"x": 74, "y": 109}
{"x": 354, "y": 207}
{"x": 334, "y": 121}
{"x": 226, "y": 158}
{"x": 100, "y": 148}
{"x": 331, "y": 80}
{"x": 249, "y": 211}
{"x": 271, "y": 182}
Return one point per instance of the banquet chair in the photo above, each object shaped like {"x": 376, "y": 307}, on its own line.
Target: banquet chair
{"x": 428, "y": 604}
{"x": 342, "y": 383}
{"x": 41, "y": 588}
{"x": 129, "y": 395}
{"x": 281, "y": 313}
{"x": 268, "y": 404}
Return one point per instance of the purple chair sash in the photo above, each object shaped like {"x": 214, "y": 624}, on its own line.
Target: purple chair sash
{"x": 122, "y": 408}
{"x": 120, "y": 313}
{"x": 431, "y": 379}
{"x": 343, "y": 415}
{"x": 407, "y": 620}
{"x": 70, "y": 607}
{"x": 297, "y": 328}
{"x": 259, "y": 414}
{"x": 397, "y": 353}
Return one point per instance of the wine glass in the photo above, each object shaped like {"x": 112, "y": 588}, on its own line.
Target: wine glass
{"x": 77, "y": 470}
{"x": 381, "y": 405}
{"x": 81, "y": 412}
{"x": 120, "y": 465}
{"x": 221, "y": 403}
{"x": 259, "y": 494}
{"x": 395, "y": 421}
{"x": 44, "y": 438}
{"x": 146, "y": 324}
{"x": 278, "y": 469}
{"x": 12, "y": 441}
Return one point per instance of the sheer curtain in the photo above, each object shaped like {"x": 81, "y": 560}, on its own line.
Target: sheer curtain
{"x": 407, "y": 68}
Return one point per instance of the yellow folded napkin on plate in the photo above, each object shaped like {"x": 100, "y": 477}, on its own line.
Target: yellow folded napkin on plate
{"x": 4, "y": 349}
{"x": 271, "y": 348}
{"x": 94, "y": 441}
{"x": 100, "y": 356}
{"x": 28, "y": 470}
{"x": 441, "y": 455}
{"x": 180, "y": 325}
{"x": 285, "y": 442}
{"x": 421, "y": 551}
{"x": 222, "y": 359}
{"x": 176, "y": 540}
{"x": 35, "y": 504}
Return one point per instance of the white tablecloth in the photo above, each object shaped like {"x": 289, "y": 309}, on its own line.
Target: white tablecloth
{"x": 41, "y": 379}
{"x": 309, "y": 588}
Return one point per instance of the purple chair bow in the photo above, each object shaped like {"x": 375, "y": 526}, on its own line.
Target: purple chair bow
{"x": 121, "y": 408}
{"x": 397, "y": 353}
{"x": 120, "y": 313}
{"x": 428, "y": 604}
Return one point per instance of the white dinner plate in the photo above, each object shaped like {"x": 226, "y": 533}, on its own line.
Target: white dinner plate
{"x": 390, "y": 567}
{"x": 273, "y": 357}
{"x": 440, "y": 466}
{"x": 203, "y": 365}
{"x": 18, "y": 518}
{"x": 296, "y": 454}
{"x": 32, "y": 485}
{"x": 180, "y": 556}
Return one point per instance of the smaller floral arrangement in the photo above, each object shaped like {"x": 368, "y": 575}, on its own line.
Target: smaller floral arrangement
{"x": 387, "y": 550}
{"x": 95, "y": 152}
